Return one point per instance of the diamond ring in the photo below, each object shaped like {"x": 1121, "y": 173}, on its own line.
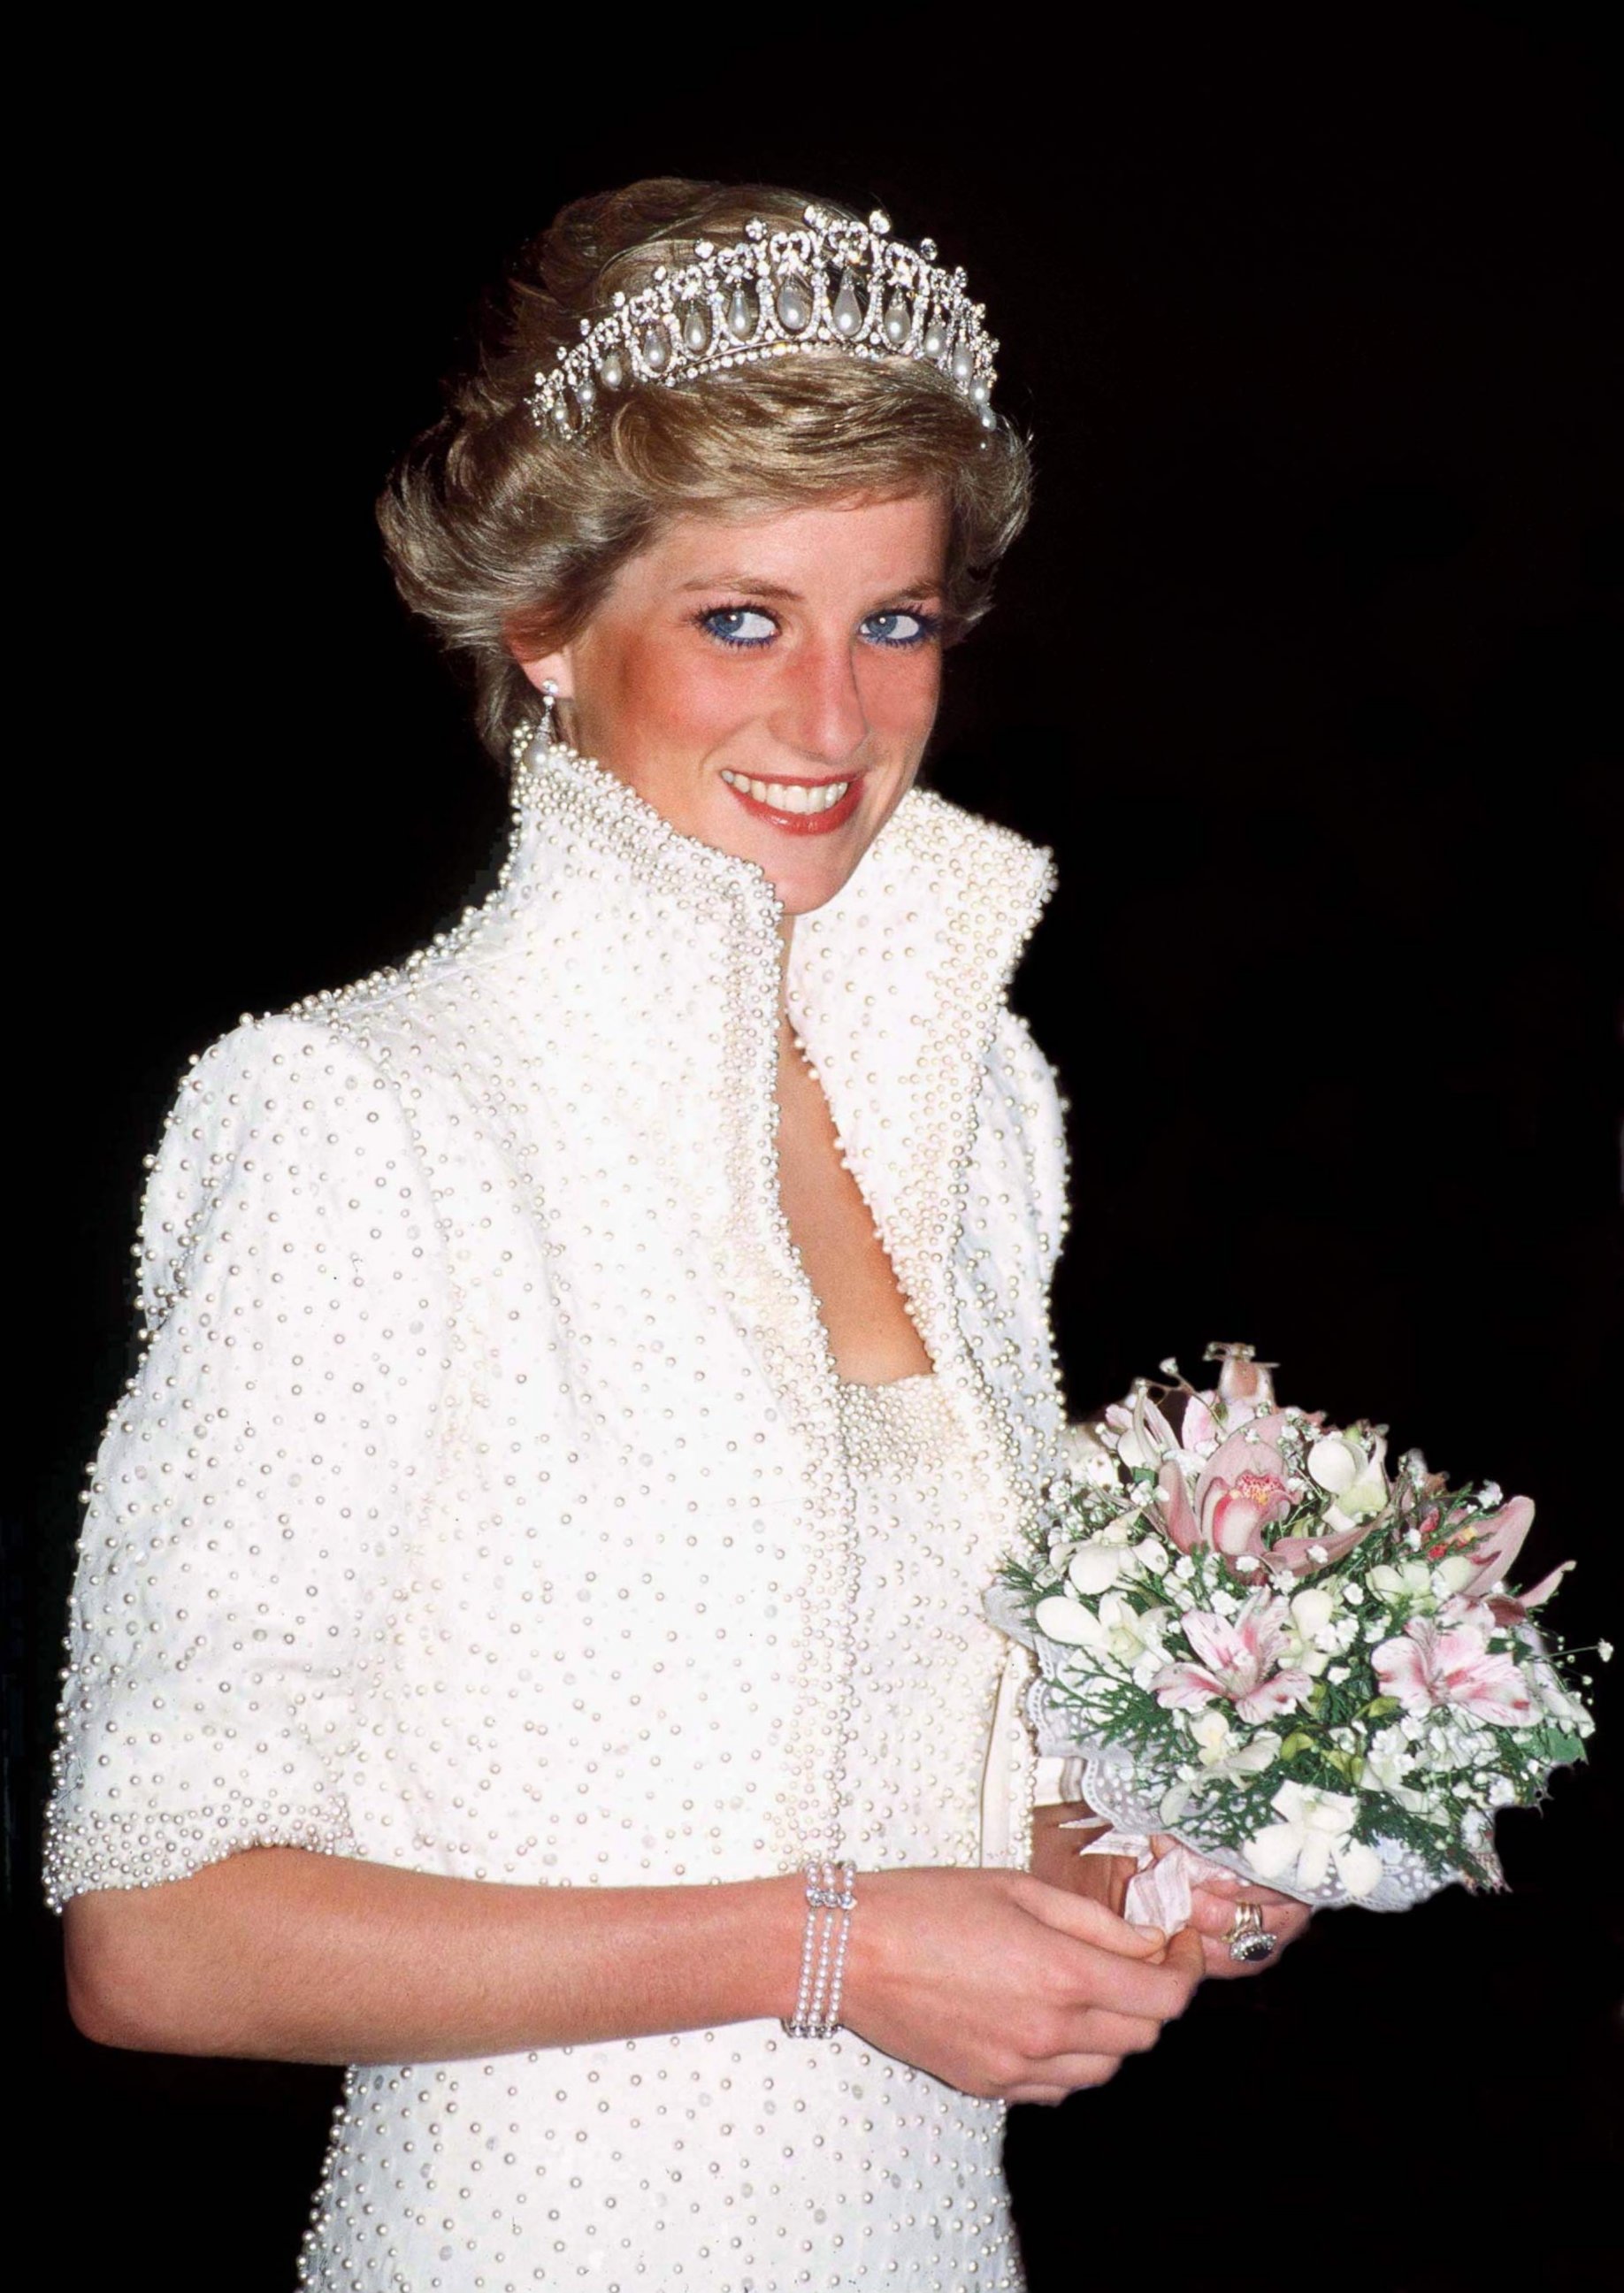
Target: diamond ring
{"x": 1249, "y": 1940}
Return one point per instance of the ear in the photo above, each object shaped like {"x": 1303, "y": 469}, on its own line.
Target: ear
{"x": 550, "y": 668}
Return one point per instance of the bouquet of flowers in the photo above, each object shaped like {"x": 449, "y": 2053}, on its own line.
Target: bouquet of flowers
{"x": 1307, "y": 1669}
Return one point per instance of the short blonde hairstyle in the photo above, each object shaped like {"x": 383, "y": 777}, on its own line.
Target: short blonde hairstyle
{"x": 506, "y": 536}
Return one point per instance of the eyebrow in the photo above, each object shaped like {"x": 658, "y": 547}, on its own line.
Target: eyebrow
{"x": 760, "y": 588}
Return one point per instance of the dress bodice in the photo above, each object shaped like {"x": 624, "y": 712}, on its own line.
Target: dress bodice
{"x": 926, "y": 1666}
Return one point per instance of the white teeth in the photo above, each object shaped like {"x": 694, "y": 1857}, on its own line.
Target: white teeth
{"x": 791, "y": 796}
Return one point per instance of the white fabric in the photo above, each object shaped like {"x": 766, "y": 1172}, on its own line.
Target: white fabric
{"x": 480, "y": 1504}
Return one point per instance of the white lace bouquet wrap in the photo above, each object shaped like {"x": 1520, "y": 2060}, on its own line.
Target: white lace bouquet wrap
{"x": 1305, "y": 1672}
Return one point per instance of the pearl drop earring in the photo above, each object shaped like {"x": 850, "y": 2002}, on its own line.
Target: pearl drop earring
{"x": 549, "y": 711}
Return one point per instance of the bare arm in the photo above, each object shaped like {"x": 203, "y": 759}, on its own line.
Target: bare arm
{"x": 290, "y": 1956}
{"x": 987, "y": 1979}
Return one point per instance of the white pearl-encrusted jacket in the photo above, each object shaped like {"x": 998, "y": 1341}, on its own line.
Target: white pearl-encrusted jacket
{"x": 479, "y": 1505}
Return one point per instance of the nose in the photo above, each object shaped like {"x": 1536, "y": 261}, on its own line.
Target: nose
{"x": 821, "y": 712}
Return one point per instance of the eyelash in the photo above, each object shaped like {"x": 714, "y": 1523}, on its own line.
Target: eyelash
{"x": 929, "y": 628}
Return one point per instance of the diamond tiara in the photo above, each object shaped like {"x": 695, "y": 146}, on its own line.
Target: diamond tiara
{"x": 835, "y": 282}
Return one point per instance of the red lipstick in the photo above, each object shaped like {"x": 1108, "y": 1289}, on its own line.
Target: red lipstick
{"x": 800, "y": 823}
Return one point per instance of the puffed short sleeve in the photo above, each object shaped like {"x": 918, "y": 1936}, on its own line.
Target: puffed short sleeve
{"x": 255, "y": 1479}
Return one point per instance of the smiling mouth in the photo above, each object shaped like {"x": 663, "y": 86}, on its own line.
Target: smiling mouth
{"x": 803, "y": 807}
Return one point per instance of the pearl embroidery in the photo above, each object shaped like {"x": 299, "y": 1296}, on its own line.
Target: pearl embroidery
{"x": 487, "y": 1503}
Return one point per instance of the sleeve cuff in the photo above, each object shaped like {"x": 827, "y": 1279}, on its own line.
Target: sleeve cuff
{"x": 150, "y": 1849}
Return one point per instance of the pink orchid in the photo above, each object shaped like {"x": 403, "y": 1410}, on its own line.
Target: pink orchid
{"x": 1300, "y": 1554}
{"x": 1500, "y": 1611}
{"x": 1491, "y": 1544}
{"x": 1511, "y": 1607}
{"x": 1238, "y": 1656}
{"x": 1242, "y": 1490}
{"x": 1426, "y": 1668}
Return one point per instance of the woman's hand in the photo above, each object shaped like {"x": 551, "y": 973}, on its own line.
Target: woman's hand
{"x": 1103, "y": 1879}
{"x": 1004, "y": 1987}
{"x": 1212, "y": 1915}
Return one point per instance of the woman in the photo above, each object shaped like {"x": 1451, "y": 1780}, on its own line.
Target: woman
{"x": 593, "y": 1371}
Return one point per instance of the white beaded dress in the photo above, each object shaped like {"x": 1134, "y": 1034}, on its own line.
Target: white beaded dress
{"x": 487, "y": 1503}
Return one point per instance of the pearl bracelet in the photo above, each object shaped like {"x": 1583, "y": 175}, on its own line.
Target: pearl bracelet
{"x": 829, "y": 1904}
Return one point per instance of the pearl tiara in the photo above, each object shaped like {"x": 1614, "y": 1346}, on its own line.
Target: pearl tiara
{"x": 834, "y": 282}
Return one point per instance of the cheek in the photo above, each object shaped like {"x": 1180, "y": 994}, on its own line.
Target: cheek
{"x": 901, "y": 694}
{"x": 666, "y": 692}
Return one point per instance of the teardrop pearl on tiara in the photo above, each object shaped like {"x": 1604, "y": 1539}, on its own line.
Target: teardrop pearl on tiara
{"x": 795, "y": 308}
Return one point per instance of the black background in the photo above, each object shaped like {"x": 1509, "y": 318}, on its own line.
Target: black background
{"x": 1302, "y": 670}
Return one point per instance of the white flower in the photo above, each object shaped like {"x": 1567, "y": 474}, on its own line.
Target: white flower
{"x": 1310, "y": 1633}
{"x": 1312, "y": 1612}
{"x": 1354, "y": 1594}
{"x": 1212, "y": 1732}
{"x": 1153, "y": 1556}
{"x": 1067, "y": 1621}
{"x": 1335, "y": 1462}
{"x": 1412, "y": 1581}
{"x": 1603, "y": 1649}
{"x": 1388, "y": 1760}
{"x": 1133, "y": 1639}
{"x": 1350, "y": 1471}
{"x": 1453, "y": 1574}
{"x": 1094, "y": 1569}
{"x": 1311, "y": 1836}
{"x": 1217, "y": 1761}
{"x": 1563, "y": 1708}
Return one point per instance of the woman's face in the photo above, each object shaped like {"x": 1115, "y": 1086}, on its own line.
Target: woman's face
{"x": 768, "y": 683}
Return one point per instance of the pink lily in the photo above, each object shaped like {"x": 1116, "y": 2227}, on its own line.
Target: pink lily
{"x": 1238, "y": 1662}
{"x": 1426, "y": 1668}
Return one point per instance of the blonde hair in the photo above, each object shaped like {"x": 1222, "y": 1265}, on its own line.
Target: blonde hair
{"x": 507, "y": 536}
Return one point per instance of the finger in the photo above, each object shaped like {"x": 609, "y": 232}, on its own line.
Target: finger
{"x": 1210, "y": 1916}
{"x": 1214, "y": 1915}
{"x": 1089, "y": 1921}
{"x": 1065, "y": 2074}
{"x": 1107, "y": 1982}
{"x": 1233, "y": 1890}
{"x": 1103, "y": 2031}
{"x": 1186, "y": 1956}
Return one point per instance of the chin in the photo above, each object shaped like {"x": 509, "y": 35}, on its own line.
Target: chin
{"x": 804, "y": 885}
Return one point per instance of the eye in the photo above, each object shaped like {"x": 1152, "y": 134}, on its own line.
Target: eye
{"x": 739, "y": 625}
{"x": 900, "y": 629}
